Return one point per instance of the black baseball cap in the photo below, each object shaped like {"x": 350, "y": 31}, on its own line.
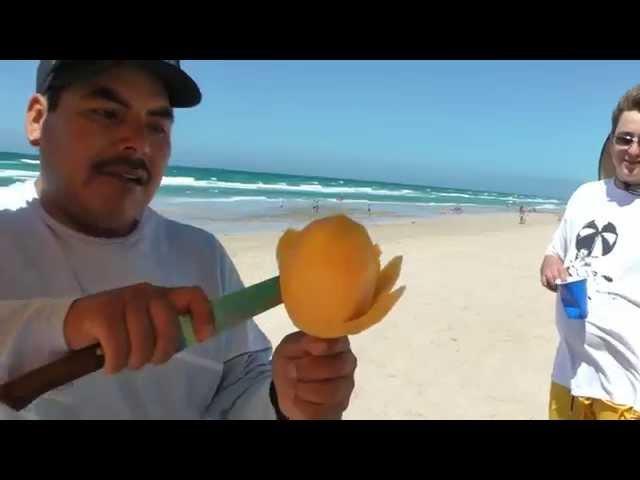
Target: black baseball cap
{"x": 181, "y": 88}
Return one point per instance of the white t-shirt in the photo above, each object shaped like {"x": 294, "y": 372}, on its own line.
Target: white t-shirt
{"x": 600, "y": 357}
{"x": 45, "y": 266}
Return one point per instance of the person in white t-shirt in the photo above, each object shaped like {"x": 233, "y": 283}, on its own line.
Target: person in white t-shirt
{"x": 88, "y": 261}
{"x": 596, "y": 374}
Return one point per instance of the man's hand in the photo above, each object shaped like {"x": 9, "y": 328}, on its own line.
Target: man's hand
{"x": 313, "y": 378}
{"x": 136, "y": 325}
{"x": 552, "y": 269}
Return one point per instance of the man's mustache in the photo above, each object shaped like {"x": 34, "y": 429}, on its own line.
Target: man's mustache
{"x": 123, "y": 162}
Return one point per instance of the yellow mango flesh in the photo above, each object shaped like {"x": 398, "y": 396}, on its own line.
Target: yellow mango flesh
{"x": 328, "y": 275}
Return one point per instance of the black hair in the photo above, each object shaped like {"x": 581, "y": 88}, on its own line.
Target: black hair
{"x": 53, "y": 97}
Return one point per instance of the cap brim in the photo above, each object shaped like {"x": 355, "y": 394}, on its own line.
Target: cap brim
{"x": 182, "y": 89}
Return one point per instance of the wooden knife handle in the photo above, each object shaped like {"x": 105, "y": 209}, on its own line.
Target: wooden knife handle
{"x": 21, "y": 391}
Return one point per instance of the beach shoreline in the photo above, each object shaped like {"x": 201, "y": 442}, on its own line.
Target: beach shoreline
{"x": 254, "y": 217}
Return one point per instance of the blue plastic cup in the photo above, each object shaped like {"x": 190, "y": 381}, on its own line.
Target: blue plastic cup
{"x": 573, "y": 294}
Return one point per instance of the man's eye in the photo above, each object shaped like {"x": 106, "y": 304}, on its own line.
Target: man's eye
{"x": 157, "y": 129}
{"x": 105, "y": 113}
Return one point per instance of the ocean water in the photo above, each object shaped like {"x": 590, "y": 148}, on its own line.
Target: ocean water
{"x": 198, "y": 192}
{"x": 186, "y": 184}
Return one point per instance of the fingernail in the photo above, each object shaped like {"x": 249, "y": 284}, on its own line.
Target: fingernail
{"x": 292, "y": 371}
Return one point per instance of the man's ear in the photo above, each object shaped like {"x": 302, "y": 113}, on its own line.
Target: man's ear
{"x": 36, "y": 113}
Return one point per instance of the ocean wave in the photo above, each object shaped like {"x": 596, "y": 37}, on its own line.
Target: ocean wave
{"x": 17, "y": 195}
{"x": 485, "y": 196}
{"x": 373, "y": 203}
{"x": 311, "y": 187}
{"x": 19, "y": 174}
{"x": 186, "y": 182}
{"x": 547, "y": 206}
{"x": 33, "y": 162}
{"x": 299, "y": 201}
{"x": 221, "y": 199}
{"x": 533, "y": 200}
{"x": 463, "y": 195}
{"x": 370, "y": 193}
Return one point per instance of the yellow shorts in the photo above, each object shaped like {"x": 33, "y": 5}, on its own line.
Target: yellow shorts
{"x": 564, "y": 406}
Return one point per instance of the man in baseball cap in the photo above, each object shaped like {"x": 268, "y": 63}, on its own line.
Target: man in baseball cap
{"x": 87, "y": 262}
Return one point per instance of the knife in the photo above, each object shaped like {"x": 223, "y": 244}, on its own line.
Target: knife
{"x": 228, "y": 311}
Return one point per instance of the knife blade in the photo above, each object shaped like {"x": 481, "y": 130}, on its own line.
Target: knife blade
{"x": 236, "y": 307}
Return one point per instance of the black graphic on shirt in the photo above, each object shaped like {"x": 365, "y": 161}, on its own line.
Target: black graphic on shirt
{"x": 594, "y": 242}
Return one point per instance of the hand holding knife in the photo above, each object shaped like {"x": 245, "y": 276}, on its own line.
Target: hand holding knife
{"x": 228, "y": 311}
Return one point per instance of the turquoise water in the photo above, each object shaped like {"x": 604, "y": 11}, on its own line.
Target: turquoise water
{"x": 182, "y": 185}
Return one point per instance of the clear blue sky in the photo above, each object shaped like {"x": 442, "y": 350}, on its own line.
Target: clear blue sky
{"x": 523, "y": 126}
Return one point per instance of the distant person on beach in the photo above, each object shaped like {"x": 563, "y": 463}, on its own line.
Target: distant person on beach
{"x": 523, "y": 215}
{"x": 87, "y": 261}
{"x": 457, "y": 210}
{"x": 596, "y": 374}
{"x": 369, "y": 209}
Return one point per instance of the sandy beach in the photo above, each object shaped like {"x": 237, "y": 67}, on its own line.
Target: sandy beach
{"x": 474, "y": 335}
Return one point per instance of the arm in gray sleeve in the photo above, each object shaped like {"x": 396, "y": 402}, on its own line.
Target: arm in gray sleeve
{"x": 31, "y": 334}
{"x": 243, "y": 393}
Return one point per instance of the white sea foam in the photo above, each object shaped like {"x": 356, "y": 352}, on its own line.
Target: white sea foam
{"x": 185, "y": 182}
{"x": 18, "y": 174}
{"x": 310, "y": 187}
{"x": 221, "y": 199}
{"x": 17, "y": 195}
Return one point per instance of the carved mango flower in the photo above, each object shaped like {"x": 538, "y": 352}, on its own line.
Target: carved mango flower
{"x": 330, "y": 278}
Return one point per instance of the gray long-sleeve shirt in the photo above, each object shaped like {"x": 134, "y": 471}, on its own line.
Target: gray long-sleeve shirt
{"x": 45, "y": 266}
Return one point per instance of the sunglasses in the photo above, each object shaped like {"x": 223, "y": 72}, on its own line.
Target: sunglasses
{"x": 625, "y": 140}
